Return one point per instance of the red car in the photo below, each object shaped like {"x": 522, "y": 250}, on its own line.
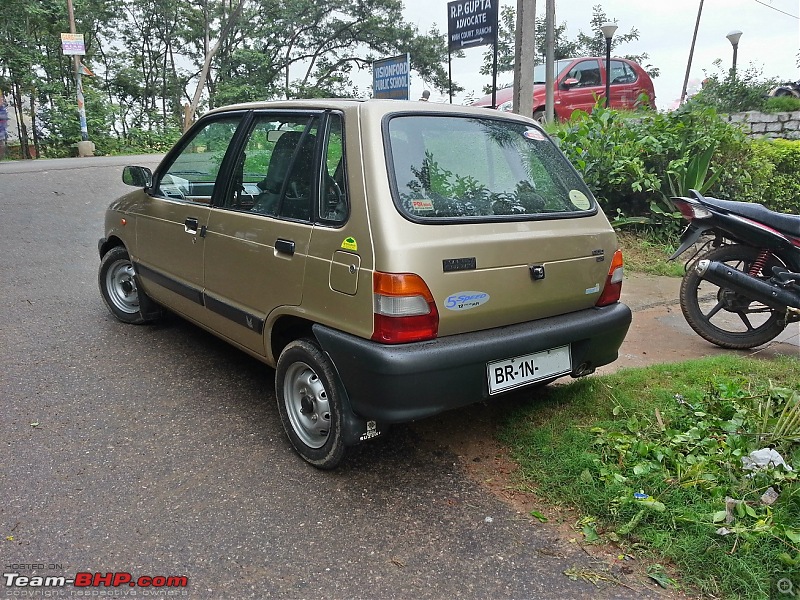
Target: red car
{"x": 578, "y": 82}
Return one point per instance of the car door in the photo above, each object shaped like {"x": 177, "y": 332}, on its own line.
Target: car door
{"x": 257, "y": 238}
{"x": 173, "y": 218}
{"x": 585, "y": 85}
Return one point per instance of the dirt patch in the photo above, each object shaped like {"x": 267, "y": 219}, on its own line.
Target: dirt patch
{"x": 471, "y": 436}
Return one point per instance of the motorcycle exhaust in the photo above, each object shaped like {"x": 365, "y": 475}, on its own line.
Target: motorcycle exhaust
{"x": 756, "y": 289}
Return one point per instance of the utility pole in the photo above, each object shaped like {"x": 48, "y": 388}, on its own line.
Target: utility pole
{"x": 85, "y": 147}
{"x": 691, "y": 54}
{"x": 549, "y": 61}
{"x": 524, "y": 52}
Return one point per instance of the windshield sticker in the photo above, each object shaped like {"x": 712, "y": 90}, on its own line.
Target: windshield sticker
{"x": 465, "y": 300}
{"x": 349, "y": 243}
{"x": 422, "y": 204}
{"x": 579, "y": 200}
{"x": 534, "y": 134}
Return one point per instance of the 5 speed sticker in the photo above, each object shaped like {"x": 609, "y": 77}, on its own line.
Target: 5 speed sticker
{"x": 466, "y": 300}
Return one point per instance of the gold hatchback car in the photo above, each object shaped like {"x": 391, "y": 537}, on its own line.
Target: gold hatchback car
{"x": 391, "y": 260}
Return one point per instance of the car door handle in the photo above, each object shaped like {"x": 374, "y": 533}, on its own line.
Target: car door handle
{"x": 190, "y": 225}
{"x": 284, "y": 246}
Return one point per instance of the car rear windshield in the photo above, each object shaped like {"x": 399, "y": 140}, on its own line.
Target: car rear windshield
{"x": 466, "y": 168}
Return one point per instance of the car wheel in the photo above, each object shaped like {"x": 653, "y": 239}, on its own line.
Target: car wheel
{"x": 310, "y": 403}
{"x": 538, "y": 116}
{"x": 120, "y": 289}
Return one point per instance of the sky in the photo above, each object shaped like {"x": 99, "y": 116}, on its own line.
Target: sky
{"x": 770, "y": 39}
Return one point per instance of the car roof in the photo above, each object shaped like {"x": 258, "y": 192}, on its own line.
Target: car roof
{"x": 372, "y": 108}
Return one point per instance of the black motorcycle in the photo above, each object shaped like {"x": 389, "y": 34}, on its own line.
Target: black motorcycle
{"x": 742, "y": 286}
{"x": 791, "y": 88}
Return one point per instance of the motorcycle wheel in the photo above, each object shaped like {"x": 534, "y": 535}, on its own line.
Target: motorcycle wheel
{"x": 724, "y": 317}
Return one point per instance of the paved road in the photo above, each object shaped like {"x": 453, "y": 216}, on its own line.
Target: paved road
{"x": 158, "y": 450}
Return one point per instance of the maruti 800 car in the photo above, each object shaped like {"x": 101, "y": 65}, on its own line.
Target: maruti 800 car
{"x": 390, "y": 260}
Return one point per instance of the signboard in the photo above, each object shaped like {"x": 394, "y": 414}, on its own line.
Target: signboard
{"x": 471, "y": 23}
{"x": 390, "y": 77}
{"x": 72, "y": 43}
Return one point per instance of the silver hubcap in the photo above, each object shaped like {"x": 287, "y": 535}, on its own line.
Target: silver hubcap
{"x": 121, "y": 287}
{"x": 307, "y": 405}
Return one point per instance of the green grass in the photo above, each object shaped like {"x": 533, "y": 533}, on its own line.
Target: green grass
{"x": 677, "y": 434}
{"x": 643, "y": 255}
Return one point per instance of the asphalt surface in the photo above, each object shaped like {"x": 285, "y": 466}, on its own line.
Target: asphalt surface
{"x": 158, "y": 451}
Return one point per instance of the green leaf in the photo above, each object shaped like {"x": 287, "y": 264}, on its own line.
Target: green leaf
{"x": 652, "y": 504}
{"x": 793, "y": 535}
{"x": 539, "y": 516}
{"x": 590, "y": 533}
{"x": 719, "y": 516}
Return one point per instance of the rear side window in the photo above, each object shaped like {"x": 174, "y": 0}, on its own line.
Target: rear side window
{"x": 465, "y": 168}
{"x": 621, "y": 73}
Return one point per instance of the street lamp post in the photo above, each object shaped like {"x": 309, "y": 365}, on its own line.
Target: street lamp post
{"x": 733, "y": 38}
{"x": 608, "y": 30}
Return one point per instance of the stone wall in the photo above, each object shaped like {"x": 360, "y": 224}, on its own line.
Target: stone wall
{"x": 784, "y": 125}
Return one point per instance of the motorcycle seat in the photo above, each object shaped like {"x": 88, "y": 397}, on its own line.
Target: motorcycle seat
{"x": 789, "y": 224}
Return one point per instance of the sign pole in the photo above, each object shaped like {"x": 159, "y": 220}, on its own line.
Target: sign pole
{"x": 494, "y": 73}
{"x": 472, "y": 23}
{"x": 450, "y": 72}
{"x": 78, "y": 81}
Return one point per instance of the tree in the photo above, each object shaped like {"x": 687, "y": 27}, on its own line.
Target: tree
{"x": 152, "y": 56}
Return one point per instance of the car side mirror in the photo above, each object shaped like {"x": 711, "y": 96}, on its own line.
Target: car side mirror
{"x": 140, "y": 177}
{"x": 570, "y": 82}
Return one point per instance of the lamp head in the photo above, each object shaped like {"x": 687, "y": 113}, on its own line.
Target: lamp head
{"x": 608, "y": 30}
{"x": 733, "y": 37}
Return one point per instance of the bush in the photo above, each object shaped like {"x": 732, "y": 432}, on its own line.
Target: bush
{"x": 634, "y": 163}
{"x": 776, "y": 184}
{"x": 727, "y": 92}
{"x": 782, "y": 104}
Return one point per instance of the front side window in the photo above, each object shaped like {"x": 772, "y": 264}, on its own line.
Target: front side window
{"x": 587, "y": 72}
{"x": 193, "y": 174}
{"x": 466, "y": 168}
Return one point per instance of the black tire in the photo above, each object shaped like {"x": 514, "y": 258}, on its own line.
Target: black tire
{"x": 310, "y": 403}
{"x": 539, "y": 116}
{"x": 722, "y": 316}
{"x": 120, "y": 289}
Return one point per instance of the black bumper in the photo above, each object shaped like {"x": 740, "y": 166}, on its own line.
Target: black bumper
{"x": 395, "y": 384}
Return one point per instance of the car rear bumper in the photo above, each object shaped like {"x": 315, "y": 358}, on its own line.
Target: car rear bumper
{"x": 395, "y": 384}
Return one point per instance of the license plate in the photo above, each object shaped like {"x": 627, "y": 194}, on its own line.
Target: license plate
{"x": 515, "y": 372}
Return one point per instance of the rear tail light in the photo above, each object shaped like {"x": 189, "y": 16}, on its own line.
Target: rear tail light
{"x": 404, "y": 309}
{"x": 690, "y": 210}
{"x": 613, "y": 287}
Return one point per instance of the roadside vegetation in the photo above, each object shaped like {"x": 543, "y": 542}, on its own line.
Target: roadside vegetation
{"x": 635, "y": 162}
{"x": 651, "y": 461}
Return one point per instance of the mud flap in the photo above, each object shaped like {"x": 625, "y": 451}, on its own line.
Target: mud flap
{"x": 688, "y": 239}
{"x": 355, "y": 429}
